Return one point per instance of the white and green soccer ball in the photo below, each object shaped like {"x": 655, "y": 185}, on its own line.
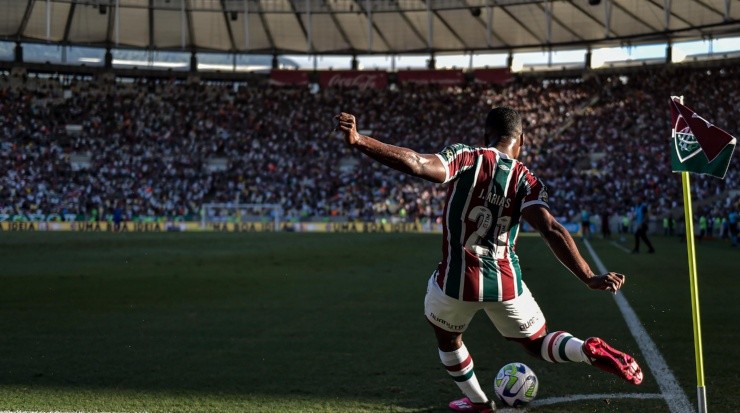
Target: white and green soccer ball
{"x": 516, "y": 384}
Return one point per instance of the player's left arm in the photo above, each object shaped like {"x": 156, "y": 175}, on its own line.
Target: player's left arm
{"x": 425, "y": 166}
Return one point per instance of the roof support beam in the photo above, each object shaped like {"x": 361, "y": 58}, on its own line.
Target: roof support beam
{"x": 246, "y": 25}
{"x": 309, "y": 27}
{"x": 607, "y": 17}
{"x": 672, "y": 14}
{"x": 369, "y": 7}
{"x": 306, "y": 34}
{"x": 268, "y": 33}
{"x": 519, "y": 22}
{"x": 183, "y": 25}
{"x": 189, "y": 24}
{"x": 408, "y": 22}
{"x": 667, "y": 14}
{"x": 712, "y": 9}
{"x": 68, "y": 23}
{"x": 118, "y": 21}
{"x": 371, "y": 24}
{"x": 608, "y": 31}
{"x": 151, "y": 25}
{"x": 430, "y": 25}
{"x": 635, "y": 17}
{"x": 548, "y": 20}
{"x": 489, "y": 25}
{"x": 112, "y": 24}
{"x": 451, "y": 29}
{"x": 26, "y": 17}
{"x": 727, "y": 9}
{"x": 339, "y": 27}
{"x": 48, "y": 20}
{"x": 551, "y": 18}
{"x": 227, "y": 22}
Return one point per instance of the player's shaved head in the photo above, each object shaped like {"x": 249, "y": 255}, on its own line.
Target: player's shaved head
{"x": 502, "y": 123}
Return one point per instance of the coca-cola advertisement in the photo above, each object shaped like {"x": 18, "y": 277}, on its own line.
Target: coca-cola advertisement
{"x": 432, "y": 77}
{"x": 499, "y": 76}
{"x": 359, "y": 79}
{"x": 289, "y": 77}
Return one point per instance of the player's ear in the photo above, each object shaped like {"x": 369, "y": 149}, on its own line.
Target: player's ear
{"x": 521, "y": 139}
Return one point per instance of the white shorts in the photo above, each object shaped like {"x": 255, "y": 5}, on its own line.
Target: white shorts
{"x": 520, "y": 317}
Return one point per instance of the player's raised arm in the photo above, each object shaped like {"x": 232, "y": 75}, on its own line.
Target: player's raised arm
{"x": 565, "y": 249}
{"x": 426, "y": 166}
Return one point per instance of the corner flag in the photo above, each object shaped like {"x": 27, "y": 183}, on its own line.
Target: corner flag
{"x": 697, "y": 145}
{"x": 700, "y": 147}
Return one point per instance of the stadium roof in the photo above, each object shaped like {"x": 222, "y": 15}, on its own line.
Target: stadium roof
{"x": 363, "y": 26}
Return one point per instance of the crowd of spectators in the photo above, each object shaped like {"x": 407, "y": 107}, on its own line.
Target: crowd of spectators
{"x": 164, "y": 148}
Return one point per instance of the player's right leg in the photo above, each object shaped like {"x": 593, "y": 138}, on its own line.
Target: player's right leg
{"x": 521, "y": 320}
{"x": 562, "y": 347}
{"x": 605, "y": 357}
{"x": 449, "y": 319}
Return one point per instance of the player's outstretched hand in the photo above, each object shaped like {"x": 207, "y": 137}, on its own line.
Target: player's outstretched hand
{"x": 611, "y": 281}
{"x": 348, "y": 125}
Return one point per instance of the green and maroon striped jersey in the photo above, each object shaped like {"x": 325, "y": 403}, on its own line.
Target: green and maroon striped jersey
{"x": 487, "y": 192}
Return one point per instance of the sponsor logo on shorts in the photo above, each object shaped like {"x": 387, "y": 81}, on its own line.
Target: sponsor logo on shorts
{"x": 529, "y": 323}
{"x": 446, "y": 323}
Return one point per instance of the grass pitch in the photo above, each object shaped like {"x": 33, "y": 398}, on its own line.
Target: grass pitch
{"x": 285, "y": 322}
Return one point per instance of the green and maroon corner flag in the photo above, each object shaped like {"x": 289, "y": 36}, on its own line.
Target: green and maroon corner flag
{"x": 697, "y": 145}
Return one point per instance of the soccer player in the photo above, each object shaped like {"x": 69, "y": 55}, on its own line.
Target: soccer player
{"x": 641, "y": 226}
{"x": 489, "y": 192}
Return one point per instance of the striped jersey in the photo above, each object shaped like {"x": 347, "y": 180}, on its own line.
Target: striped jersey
{"x": 487, "y": 192}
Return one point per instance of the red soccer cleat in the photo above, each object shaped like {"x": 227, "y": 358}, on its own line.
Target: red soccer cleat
{"x": 465, "y": 405}
{"x": 611, "y": 360}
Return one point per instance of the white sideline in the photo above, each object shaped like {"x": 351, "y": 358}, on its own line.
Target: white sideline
{"x": 669, "y": 387}
{"x": 621, "y": 247}
{"x": 575, "y": 397}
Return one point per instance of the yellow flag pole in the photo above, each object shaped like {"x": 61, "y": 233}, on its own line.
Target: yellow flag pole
{"x": 701, "y": 390}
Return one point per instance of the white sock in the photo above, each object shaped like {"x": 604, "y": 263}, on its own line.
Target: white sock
{"x": 562, "y": 347}
{"x": 459, "y": 365}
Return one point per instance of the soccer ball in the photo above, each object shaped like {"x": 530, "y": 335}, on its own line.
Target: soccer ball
{"x": 516, "y": 384}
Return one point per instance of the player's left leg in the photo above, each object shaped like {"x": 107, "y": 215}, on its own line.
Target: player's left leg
{"x": 459, "y": 364}
{"x": 449, "y": 318}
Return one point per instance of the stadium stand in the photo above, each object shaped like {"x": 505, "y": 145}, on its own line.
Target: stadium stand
{"x": 159, "y": 149}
